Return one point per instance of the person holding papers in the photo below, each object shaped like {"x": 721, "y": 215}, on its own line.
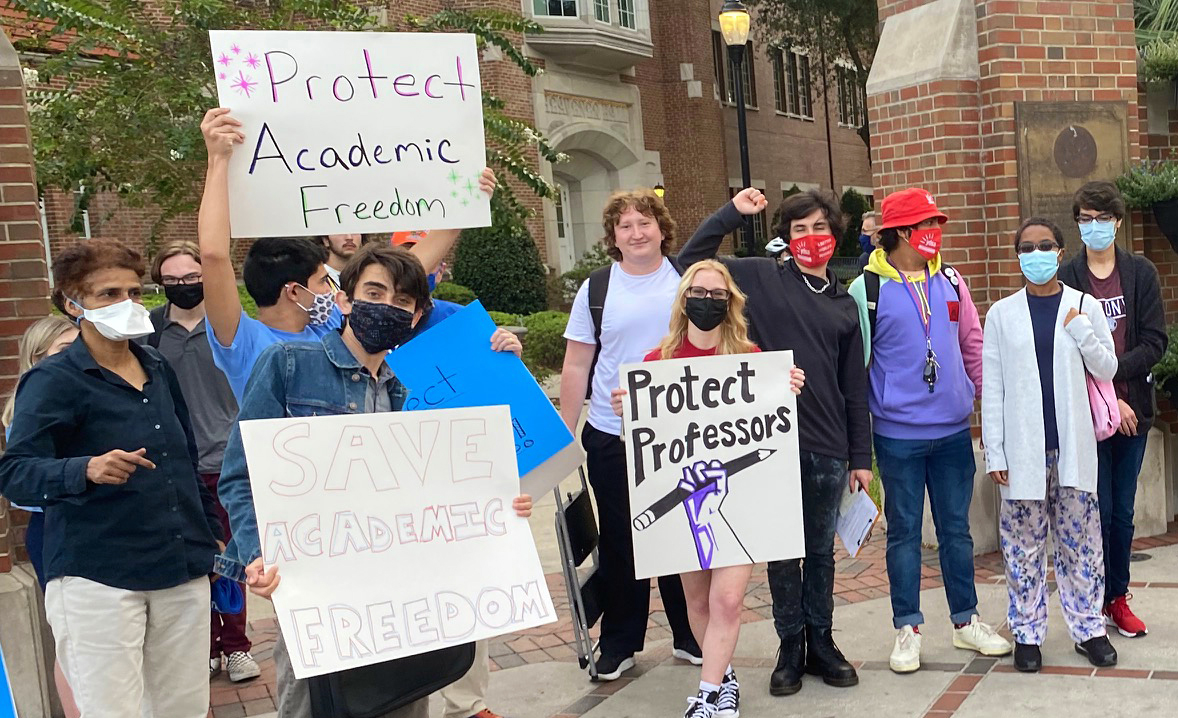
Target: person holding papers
{"x": 923, "y": 342}
{"x": 797, "y": 303}
{"x": 287, "y": 277}
{"x": 344, "y": 372}
{"x": 707, "y": 319}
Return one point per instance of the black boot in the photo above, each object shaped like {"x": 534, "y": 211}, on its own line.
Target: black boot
{"x": 823, "y": 658}
{"x": 791, "y": 664}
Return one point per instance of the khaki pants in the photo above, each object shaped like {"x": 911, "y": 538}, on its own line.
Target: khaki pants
{"x": 132, "y": 654}
{"x": 466, "y": 696}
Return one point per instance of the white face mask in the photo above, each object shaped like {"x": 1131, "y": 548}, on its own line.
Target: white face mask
{"x": 120, "y": 321}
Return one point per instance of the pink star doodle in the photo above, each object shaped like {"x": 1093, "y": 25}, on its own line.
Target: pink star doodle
{"x": 225, "y": 60}
{"x": 243, "y": 84}
{"x": 221, "y": 76}
{"x": 252, "y": 60}
{"x": 236, "y": 50}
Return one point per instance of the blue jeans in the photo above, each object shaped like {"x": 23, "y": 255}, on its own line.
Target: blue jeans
{"x": 1119, "y": 462}
{"x": 946, "y": 468}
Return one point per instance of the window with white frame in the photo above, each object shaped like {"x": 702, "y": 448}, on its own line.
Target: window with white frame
{"x": 791, "y": 83}
{"x": 726, "y": 73}
{"x": 601, "y": 10}
{"x": 555, "y": 8}
{"x": 852, "y": 102}
{"x": 627, "y": 15}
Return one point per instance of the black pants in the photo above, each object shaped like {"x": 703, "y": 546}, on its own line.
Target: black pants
{"x": 627, "y": 601}
{"x": 806, "y": 597}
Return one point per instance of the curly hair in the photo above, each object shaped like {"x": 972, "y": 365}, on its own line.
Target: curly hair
{"x": 73, "y": 267}
{"x": 646, "y": 202}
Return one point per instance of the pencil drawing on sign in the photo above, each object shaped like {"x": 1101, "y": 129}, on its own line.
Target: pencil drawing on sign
{"x": 712, "y": 453}
{"x": 702, "y": 492}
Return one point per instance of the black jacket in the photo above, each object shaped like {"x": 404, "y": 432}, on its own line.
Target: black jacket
{"x": 1145, "y": 336}
{"x": 821, "y": 329}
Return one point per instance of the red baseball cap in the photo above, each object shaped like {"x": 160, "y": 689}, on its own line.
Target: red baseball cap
{"x": 909, "y": 207}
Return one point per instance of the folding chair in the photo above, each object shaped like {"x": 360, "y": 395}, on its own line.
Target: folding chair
{"x": 576, "y": 531}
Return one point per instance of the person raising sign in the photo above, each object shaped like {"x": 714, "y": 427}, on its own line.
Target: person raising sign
{"x": 707, "y": 319}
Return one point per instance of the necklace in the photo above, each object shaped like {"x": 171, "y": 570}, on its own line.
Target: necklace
{"x": 806, "y": 281}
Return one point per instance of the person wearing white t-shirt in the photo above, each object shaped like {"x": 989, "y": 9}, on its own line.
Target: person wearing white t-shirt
{"x": 642, "y": 281}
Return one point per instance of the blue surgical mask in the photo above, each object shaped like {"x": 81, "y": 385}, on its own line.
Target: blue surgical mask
{"x": 1098, "y": 235}
{"x": 1039, "y": 266}
{"x": 433, "y": 281}
{"x": 865, "y": 242}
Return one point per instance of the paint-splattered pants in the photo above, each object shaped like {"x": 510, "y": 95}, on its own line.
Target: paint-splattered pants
{"x": 1074, "y": 517}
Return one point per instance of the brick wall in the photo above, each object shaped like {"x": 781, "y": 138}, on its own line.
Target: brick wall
{"x": 958, "y": 140}
{"x": 24, "y": 287}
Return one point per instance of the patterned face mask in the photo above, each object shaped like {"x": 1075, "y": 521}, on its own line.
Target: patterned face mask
{"x": 380, "y": 327}
{"x": 320, "y": 310}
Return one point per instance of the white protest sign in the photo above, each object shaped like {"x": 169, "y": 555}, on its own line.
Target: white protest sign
{"x": 352, "y": 131}
{"x": 712, "y": 459}
{"x": 393, "y": 533}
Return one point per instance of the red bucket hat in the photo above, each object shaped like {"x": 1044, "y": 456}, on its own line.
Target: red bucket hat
{"x": 909, "y": 207}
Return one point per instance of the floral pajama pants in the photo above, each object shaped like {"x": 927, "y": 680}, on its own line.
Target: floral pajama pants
{"x": 1074, "y": 517}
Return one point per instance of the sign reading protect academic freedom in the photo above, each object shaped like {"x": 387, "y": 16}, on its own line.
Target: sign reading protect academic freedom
{"x": 352, "y": 131}
{"x": 712, "y": 458}
{"x": 393, "y": 533}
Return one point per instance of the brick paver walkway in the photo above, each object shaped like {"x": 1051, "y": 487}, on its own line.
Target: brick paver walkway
{"x": 856, "y": 579}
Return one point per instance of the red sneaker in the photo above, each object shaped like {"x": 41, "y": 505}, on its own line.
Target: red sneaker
{"x": 1117, "y": 613}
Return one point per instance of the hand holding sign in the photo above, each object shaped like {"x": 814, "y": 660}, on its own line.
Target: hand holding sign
{"x": 221, "y": 132}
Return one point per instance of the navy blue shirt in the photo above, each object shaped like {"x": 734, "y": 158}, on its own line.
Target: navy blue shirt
{"x": 155, "y": 531}
{"x": 1044, "y": 311}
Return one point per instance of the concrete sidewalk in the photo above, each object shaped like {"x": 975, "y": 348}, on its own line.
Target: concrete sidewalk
{"x": 536, "y": 675}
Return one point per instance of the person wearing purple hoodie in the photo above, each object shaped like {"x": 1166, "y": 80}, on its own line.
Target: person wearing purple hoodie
{"x": 923, "y": 344}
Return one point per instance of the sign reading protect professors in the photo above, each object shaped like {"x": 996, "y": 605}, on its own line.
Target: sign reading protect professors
{"x": 352, "y": 131}
{"x": 713, "y": 464}
{"x": 393, "y": 533}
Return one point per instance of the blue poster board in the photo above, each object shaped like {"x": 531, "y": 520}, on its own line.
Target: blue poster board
{"x": 452, "y": 365}
{"x": 7, "y": 701}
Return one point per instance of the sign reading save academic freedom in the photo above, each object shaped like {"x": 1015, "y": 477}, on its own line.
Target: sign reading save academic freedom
{"x": 352, "y": 131}
{"x": 713, "y": 462}
{"x": 393, "y": 533}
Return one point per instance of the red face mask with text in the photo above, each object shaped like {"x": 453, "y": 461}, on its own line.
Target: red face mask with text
{"x": 813, "y": 250}
{"x": 926, "y": 242}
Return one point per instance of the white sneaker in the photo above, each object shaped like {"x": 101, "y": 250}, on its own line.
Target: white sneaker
{"x": 905, "y": 656}
{"x": 241, "y": 667}
{"x": 214, "y": 666}
{"x": 980, "y": 637}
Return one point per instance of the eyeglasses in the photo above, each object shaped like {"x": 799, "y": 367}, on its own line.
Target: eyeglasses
{"x": 193, "y": 278}
{"x": 1045, "y": 246}
{"x": 701, "y": 293}
{"x": 1103, "y": 218}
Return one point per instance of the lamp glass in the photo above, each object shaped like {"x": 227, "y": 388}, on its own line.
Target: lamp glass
{"x": 734, "y": 23}
{"x": 659, "y": 190}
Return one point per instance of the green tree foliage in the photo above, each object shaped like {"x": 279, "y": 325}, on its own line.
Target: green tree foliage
{"x": 853, "y": 205}
{"x": 501, "y": 266}
{"x": 830, "y": 29}
{"x": 135, "y": 78}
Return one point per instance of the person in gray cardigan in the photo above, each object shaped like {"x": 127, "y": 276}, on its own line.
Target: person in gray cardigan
{"x": 1127, "y": 286}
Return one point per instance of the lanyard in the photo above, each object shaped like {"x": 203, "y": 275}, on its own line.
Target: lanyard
{"x": 926, "y": 319}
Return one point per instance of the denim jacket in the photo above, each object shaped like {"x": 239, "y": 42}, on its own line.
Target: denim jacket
{"x": 290, "y": 379}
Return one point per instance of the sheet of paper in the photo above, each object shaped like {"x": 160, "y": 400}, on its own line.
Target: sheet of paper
{"x": 857, "y": 515}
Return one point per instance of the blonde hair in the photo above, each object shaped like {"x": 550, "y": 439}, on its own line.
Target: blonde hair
{"x": 32, "y": 348}
{"x": 734, "y": 330}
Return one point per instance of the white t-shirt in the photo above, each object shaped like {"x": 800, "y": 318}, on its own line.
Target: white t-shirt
{"x": 333, "y": 275}
{"x": 635, "y": 319}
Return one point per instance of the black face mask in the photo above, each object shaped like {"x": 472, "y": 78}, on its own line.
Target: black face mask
{"x": 706, "y": 313}
{"x": 185, "y": 296}
{"x": 380, "y": 327}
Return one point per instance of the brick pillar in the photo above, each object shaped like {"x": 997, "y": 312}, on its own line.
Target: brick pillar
{"x": 24, "y": 280}
{"x": 943, "y": 117}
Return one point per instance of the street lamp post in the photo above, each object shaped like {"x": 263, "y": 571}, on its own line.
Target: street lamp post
{"x": 734, "y": 27}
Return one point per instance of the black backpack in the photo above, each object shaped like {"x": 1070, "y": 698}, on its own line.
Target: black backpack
{"x": 598, "y": 287}
{"x": 380, "y": 688}
{"x": 871, "y": 285}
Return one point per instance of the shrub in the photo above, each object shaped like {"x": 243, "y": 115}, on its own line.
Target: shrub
{"x": 1159, "y": 60}
{"x": 451, "y": 292}
{"x": 503, "y": 319}
{"x": 853, "y": 205}
{"x": 502, "y": 267}
{"x": 544, "y": 344}
{"x": 594, "y": 258}
{"x": 1166, "y": 370}
{"x": 1149, "y": 182}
